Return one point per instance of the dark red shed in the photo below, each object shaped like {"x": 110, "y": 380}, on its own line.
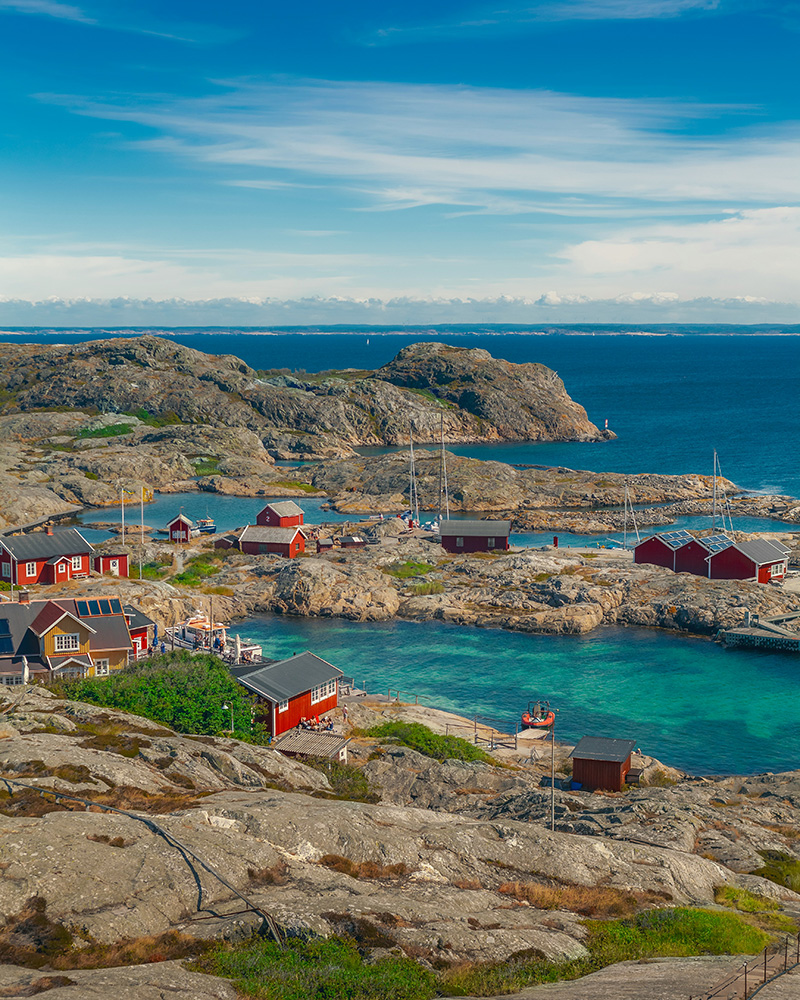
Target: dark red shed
{"x": 258, "y": 541}
{"x": 474, "y": 536}
{"x": 180, "y": 528}
{"x": 601, "y": 762}
{"x": 760, "y": 559}
{"x": 115, "y": 563}
{"x": 281, "y": 514}
{"x": 692, "y": 557}
{"x": 661, "y": 549}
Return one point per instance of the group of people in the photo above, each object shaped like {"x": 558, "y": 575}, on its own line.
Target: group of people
{"x": 317, "y": 725}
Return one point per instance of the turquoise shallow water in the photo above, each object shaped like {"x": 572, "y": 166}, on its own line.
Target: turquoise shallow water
{"x": 686, "y": 700}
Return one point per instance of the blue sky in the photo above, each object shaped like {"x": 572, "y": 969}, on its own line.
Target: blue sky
{"x": 250, "y": 162}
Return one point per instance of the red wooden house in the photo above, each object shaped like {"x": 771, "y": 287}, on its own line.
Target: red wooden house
{"x": 599, "y": 762}
{"x": 474, "y": 536}
{"x": 258, "y": 541}
{"x": 282, "y": 514}
{"x": 692, "y": 557}
{"x": 44, "y": 557}
{"x": 760, "y": 559}
{"x": 115, "y": 563}
{"x": 301, "y": 687}
{"x": 141, "y": 628}
{"x": 661, "y": 549}
{"x": 180, "y": 528}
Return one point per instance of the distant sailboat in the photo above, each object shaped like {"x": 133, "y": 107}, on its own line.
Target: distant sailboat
{"x": 628, "y": 507}
{"x": 413, "y": 496}
{"x": 444, "y": 493}
{"x": 724, "y": 504}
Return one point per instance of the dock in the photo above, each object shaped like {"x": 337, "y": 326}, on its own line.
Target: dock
{"x": 780, "y": 633}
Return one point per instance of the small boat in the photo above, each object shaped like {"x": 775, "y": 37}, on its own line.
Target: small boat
{"x": 206, "y": 525}
{"x": 538, "y": 716}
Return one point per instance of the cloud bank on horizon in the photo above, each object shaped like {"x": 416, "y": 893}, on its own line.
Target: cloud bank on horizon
{"x": 611, "y": 160}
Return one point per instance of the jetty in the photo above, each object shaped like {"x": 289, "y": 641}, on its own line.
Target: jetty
{"x": 779, "y": 632}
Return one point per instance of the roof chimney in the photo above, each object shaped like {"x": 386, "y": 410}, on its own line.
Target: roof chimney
{"x": 49, "y": 529}
{"x": 24, "y": 597}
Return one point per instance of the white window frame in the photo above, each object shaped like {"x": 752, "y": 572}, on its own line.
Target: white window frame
{"x": 316, "y": 694}
{"x": 283, "y": 706}
{"x": 76, "y": 563}
{"x": 101, "y": 668}
{"x": 30, "y": 569}
{"x": 459, "y": 542}
{"x": 61, "y": 642}
{"x": 6, "y": 570}
{"x": 331, "y": 688}
{"x": 12, "y": 679}
{"x": 490, "y": 543}
{"x": 777, "y": 569}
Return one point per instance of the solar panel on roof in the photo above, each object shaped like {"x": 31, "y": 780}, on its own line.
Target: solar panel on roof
{"x": 6, "y": 642}
{"x": 716, "y": 543}
{"x": 105, "y": 607}
{"x": 94, "y": 607}
{"x": 82, "y": 608}
{"x": 116, "y": 607}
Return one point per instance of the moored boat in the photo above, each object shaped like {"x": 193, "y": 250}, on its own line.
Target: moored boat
{"x": 538, "y": 716}
{"x": 206, "y": 525}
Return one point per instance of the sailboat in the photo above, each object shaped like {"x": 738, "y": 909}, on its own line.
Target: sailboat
{"x": 725, "y": 504}
{"x": 628, "y": 506}
{"x": 412, "y": 514}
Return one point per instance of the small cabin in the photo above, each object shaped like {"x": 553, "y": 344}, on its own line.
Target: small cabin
{"x": 180, "y": 528}
{"x": 693, "y": 557}
{"x": 324, "y": 544}
{"x": 229, "y": 541}
{"x": 353, "y": 542}
{"x": 301, "y": 687}
{"x": 760, "y": 559}
{"x": 661, "y": 549}
{"x": 474, "y": 536}
{"x": 116, "y": 564}
{"x": 599, "y": 762}
{"x": 281, "y": 514}
{"x": 142, "y": 629}
{"x": 256, "y": 540}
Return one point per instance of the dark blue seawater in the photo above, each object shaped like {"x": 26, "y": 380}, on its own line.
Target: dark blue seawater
{"x": 687, "y": 701}
{"x": 671, "y": 399}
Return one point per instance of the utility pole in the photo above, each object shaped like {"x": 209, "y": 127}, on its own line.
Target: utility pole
{"x": 141, "y": 536}
{"x": 553, "y": 776}
{"x": 122, "y": 512}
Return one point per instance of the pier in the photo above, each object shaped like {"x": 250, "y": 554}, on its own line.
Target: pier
{"x": 780, "y": 632}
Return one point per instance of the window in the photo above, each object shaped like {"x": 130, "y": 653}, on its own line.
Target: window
{"x": 283, "y": 706}
{"x": 777, "y": 569}
{"x": 12, "y": 679}
{"x": 101, "y": 668}
{"x": 331, "y": 689}
{"x": 459, "y": 543}
{"x": 30, "y": 569}
{"x": 317, "y": 693}
{"x": 68, "y": 643}
{"x": 76, "y": 563}
{"x": 490, "y": 543}
{"x": 7, "y": 570}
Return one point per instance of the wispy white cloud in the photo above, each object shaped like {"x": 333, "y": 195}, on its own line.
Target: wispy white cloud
{"x": 48, "y": 8}
{"x": 477, "y": 149}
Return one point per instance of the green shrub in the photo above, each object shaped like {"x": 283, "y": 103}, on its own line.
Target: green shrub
{"x": 423, "y": 589}
{"x": 346, "y": 780}
{"x": 90, "y": 475}
{"x": 155, "y": 570}
{"x": 293, "y": 484}
{"x": 425, "y": 741}
{"x": 180, "y": 690}
{"x": 206, "y": 466}
{"x": 198, "y": 569}
{"x": 170, "y": 417}
{"x": 783, "y": 869}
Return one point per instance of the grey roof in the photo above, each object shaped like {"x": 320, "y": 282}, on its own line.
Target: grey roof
{"x": 263, "y": 535}
{"x": 285, "y": 508}
{"x": 603, "y": 748}
{"x": 472, "y": 529}
{"x": 288, "y": 678}
{"x": 136, "y": 618}
{"x": 763, "y": 550}
{"x": 40, "y": 545}
{"x": 308, "y": 743}
{"x": 56, "y": 662}
{"x": 180, "y": 517}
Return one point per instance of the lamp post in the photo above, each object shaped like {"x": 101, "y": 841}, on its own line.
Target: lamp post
{"x": 229, "y": 708}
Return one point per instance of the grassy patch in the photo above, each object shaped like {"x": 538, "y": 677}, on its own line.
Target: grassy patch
{"x": 364, "y": 869}
{"x": 542, "y": 577}
{"x": 588, "y": 900}
{"x": 198, "y": 569}
{"x": 147, "y": 418}
{"x": 90, "y": 475}
{"x": 405, "y": 570}
{"x": 155, "y": 570}
{"x": 346, "y": 780}
{"x": 424, "y": 589}
{"x": 206, "y": 466}
{"x": 783, "y": 869}
{"x": 294, "y": 484}
{"x": 319, "y": 969}
{"x": 112, "y": 430}
{"x": 744, "y": 900}
{"x": 425, "y": 741}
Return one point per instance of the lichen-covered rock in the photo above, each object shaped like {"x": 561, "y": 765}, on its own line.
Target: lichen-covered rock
{"x": 319, "y": 589}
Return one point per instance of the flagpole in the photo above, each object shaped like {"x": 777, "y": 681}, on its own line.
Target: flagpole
{"x": 122, "y": 510}
{"x": 141, "y": 538}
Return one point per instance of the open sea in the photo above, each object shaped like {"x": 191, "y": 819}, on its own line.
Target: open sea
{"x": 672, "y": 400}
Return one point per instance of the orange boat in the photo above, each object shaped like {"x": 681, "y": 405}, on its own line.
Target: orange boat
{"x": 538, "y": 716}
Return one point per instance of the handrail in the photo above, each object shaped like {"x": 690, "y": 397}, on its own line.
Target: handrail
{"x": 154, "y": 827}
{"x": 763, "y": 962}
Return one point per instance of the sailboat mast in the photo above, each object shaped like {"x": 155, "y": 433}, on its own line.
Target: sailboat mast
{"x": 443, "y": 476}
{"x": 714, "y": 509}
{"x": 625, "y": 520}
{"x": 413, "y": 496}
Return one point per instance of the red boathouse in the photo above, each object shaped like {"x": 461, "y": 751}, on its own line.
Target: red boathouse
{"x": 180, "y": 528}
{"x": 258, "y": 541}
{"x": 661, "y": 549}
{"x": 301, "y": 687}
{"x": 114, "y": 563}
{"x": 44, "y": 557}
{"x": 474, "y": 536}
{"x": 760, "y": 559}
{"x": 600, "y": 762}
{"x": 692, "y": 557}
{"x": 283, "y": 514}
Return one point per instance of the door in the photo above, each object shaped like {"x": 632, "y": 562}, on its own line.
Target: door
{"x": 114, "y": 567}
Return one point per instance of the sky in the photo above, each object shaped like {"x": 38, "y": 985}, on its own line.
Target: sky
{"x": 256, "y": 163}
